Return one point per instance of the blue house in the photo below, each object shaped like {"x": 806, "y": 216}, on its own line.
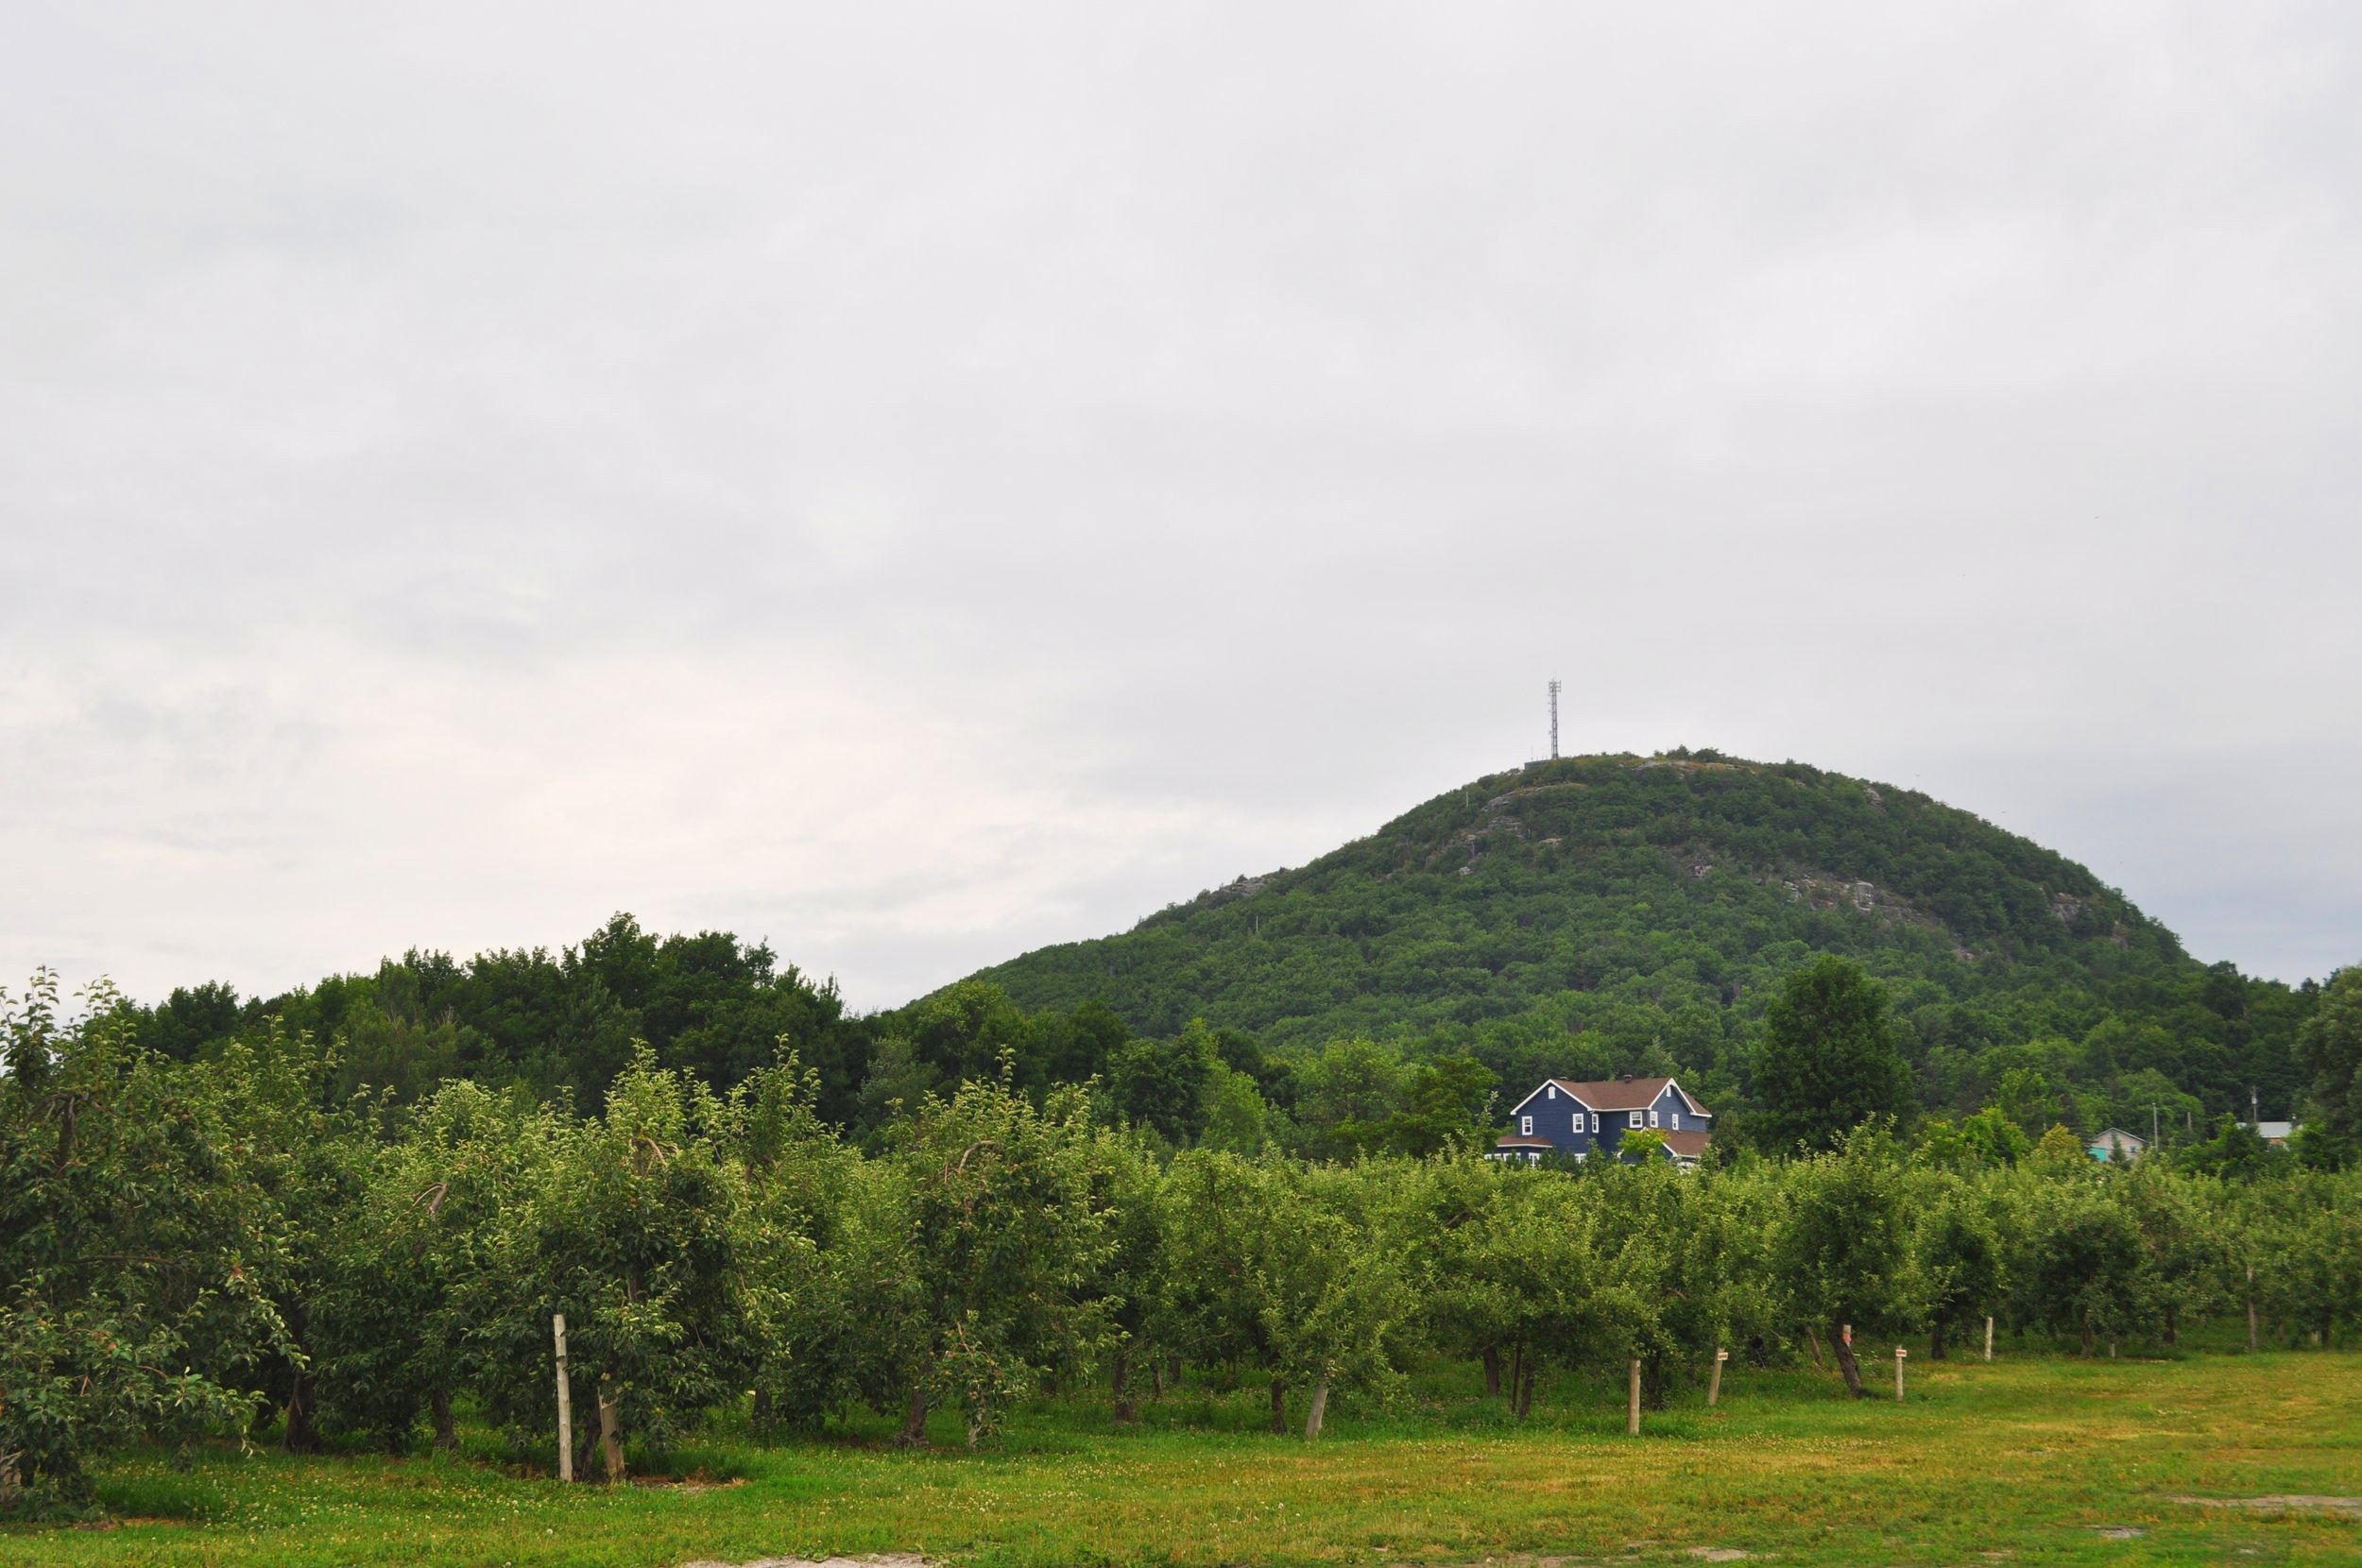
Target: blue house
{"x": 1564, "y": 1116}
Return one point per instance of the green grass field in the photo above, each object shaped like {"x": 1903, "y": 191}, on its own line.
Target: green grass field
{"x": 2027, "y": 1460}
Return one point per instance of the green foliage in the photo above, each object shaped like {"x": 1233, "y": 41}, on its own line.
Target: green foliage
{"x": 559, "y": 1024}
{"x": 629, "y": 1224}
{"x": 1003, "y": 1231}
{"x": 2332, "y": 1047}
{"x": 2085, "y": 1267}
{"x": 126, "y": 1231}
{"x": 1845, "y": 1250}
{"x": 1827, "y": 1062}
{"x": 1958, "y": 1255}
{"x": 2236, "y": 1150}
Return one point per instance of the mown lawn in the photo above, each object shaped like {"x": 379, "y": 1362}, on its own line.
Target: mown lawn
{"x": 2022, "y": 1462}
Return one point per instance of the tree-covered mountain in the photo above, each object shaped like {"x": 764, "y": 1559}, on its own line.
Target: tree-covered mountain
{"x": 1623, "y": 913}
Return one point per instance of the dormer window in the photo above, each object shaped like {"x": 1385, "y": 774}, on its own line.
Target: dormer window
{"x": 1553, "y": 1091}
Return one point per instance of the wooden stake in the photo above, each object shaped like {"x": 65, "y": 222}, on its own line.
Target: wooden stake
{"x": 1899, "y": 1354}
{"x": 610, "y": 1431}
{"x": 1714, "y": 1386}
{"x": 1632, "y": 1401}
{"x": 565, "y": 1404}
{"x": 1988, "y": 1337}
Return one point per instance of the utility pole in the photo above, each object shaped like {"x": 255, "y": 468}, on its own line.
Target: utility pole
{"x": 1554, "y": 721}
{"x": 2153, "y": 1134}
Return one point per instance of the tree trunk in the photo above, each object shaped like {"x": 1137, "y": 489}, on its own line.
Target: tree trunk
{"x": 1279, "y": 1405}
{"x": 2254, "y": 1338}
{"x": 1812, "y": 1342}
{"x": 2087, "y": 1335}
{"x": 1119, "y": 1377}
{"x": 1156, "y": 1376}
{"x": 914, "y": 1433}
{"x": 1172, "y": 1370}
{"x": 446, "y": 1426}
{"x": 975, "y": 1430}
{"x": 1492, "y": 1372}
{"x": 2169, "y": 1326}
{"x": 610, "y": 1431}
{"x": 1846, "y": 1364}
{"x": 761, "y": 1416}
{"x": 301, "y": 1436}
{"x": 2329, "y": 1321}
{"x": 1516, "y": 1368}
{"x": 1935, "y": 1340}
{"x": 1319, "y": 1411}
{"x": 1525, "y": 1387}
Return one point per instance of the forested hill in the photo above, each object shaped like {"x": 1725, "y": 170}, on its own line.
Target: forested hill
{"x": 1622, "y": 914}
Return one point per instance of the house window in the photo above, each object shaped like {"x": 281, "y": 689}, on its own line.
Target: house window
{"x": 1653, "y": 1119}
{"x": 1553, "y": 1091}
{"x": 1633, "y": 1120}
{"x": 1677, "y": 1121}
{"x": 1578, "y": 1121}
{"x": 1595, "y": 1121}
{"x": 1525, "y": 1127}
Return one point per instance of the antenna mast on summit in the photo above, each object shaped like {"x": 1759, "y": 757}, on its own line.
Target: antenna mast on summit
{"x": 1554, "y": 721}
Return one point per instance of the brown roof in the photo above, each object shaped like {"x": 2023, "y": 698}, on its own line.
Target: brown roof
{"x": 1625, "y": 1094}
{"x": 1688, "y": 1144}
{"x": 1517, "y": 1141}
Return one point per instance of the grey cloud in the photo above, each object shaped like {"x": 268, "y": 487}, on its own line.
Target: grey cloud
{"x": 915, "y": 482}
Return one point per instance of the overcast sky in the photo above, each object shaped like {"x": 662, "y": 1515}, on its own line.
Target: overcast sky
{"x": 917, "y": 482}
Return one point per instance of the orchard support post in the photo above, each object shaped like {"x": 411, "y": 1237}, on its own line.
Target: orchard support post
{"x": 565, "y": 1404}
{"x": 1632, "y": 1401}
{"x": 1899, "y": 1354}
{"x": 1988, "y": 1337}
{"x": 611, "y": 1430}
{"x": 1714, "y": 1385}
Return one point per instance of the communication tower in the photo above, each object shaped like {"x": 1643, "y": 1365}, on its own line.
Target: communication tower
{"x": 1554, "y": 721}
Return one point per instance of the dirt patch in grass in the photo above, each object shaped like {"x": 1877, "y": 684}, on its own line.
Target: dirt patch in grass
{"x": 2282, "y": 1503}
{"x": 894, "y": 1559}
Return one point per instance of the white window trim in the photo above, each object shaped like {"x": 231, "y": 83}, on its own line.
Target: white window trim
{"x": 1595, "y": 1121}
{"x": 1653, "y": 1119}
{"x": 1632, "y": 1119}
{"x": 1677, "y": 1121}
{"x": 1525, "y": 1127}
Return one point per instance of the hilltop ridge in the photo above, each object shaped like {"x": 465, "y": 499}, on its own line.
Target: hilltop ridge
{"x": 1631, "y": 914}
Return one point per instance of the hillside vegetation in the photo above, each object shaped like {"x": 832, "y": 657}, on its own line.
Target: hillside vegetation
{"x": 1624, "y": 914}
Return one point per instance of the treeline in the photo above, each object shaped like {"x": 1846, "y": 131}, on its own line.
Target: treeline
{"x": 559, "y": 1026}
{"x": 198, "y": 1246}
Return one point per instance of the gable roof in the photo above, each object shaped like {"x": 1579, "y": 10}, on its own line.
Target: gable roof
{"x": 1687, "y": 1145}
{"x": 1620, "y": 1094}
{"x": 1614, "y": 1093}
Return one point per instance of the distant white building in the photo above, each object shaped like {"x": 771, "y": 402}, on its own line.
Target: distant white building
{"x": 2275, "y": 1133}
{"x": 2119, "y": 1146}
